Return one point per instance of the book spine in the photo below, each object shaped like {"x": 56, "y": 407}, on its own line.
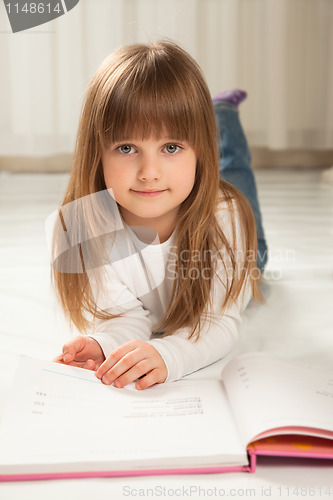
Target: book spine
{"x": 130, "y": 473}
{"x": 252, "y": 460}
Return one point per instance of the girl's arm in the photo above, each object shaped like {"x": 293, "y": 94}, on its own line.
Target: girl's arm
{"x": 133, "y": 324}
{"x": 129, "y": 356}
{"x": 183, "y": 356}
{"x": 123, "y": 340}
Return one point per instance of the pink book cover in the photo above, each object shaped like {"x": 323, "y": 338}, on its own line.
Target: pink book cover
{"x": 278, "y": 446}
{"x": 296, "y": 446}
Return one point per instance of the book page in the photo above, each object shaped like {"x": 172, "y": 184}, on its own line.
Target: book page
{"x": 61, "y": 414}
{"x": 267, "y": 393}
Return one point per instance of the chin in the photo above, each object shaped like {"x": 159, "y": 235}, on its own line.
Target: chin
{"x": 149, "y": 215}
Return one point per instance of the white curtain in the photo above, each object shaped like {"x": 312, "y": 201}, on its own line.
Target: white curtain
{"x": 279, "y": 51}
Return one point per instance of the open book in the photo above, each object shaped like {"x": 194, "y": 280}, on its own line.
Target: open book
{"x": 61, "y": 421}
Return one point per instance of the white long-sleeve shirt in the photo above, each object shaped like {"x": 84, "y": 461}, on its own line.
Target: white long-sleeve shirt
{"x": 139, "y": 285}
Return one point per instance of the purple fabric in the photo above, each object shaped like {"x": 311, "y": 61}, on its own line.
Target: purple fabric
{"x": 235, "y": 96}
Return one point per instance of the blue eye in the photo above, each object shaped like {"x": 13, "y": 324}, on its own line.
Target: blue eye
{"x": 126, "y": 149}
{"x": 171, "y": 148}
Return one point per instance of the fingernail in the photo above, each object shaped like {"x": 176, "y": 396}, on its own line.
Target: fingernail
{"x": 66, "y": 357}
{"x": 105, "y": 380}
{"x": 117, "y": 384}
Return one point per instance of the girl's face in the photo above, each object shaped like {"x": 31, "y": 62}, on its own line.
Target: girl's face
{"x": 150, "y": 179}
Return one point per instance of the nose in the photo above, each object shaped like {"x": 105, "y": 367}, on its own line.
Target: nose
{"x": 149, "y": 168}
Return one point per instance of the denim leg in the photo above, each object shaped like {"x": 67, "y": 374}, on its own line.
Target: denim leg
{"x": 235, "y": 166}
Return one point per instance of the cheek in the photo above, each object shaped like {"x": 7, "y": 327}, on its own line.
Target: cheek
{"x": 114, "y": 178}
{"x": 109, "y": 181}
{"x": 188, "y": 177}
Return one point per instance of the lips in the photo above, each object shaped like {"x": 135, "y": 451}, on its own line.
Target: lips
{"x": 149, "y": 193}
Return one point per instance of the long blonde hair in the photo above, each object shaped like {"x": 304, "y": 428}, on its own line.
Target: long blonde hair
{"x": 141, "y": 91}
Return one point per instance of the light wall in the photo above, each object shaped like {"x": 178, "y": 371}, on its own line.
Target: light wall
{"x": 279, "y": 51}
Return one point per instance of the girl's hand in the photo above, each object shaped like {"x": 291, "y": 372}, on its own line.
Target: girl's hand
{"x": 130, "y": 361}
{"x": 83, "y": 352}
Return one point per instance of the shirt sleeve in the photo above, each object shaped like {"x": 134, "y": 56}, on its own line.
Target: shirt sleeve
{"x": 134, "y": 322}
{"x": 218, "y": 336}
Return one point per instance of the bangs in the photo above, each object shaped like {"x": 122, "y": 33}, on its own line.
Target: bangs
{"x": 154, "y": 97}
{"x": 145, "y": 115}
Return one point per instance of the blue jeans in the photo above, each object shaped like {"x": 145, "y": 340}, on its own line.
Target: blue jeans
{"x": 235, "y": 166}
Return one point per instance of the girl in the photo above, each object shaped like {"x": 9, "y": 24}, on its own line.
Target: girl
{"x": 165, "y": 248}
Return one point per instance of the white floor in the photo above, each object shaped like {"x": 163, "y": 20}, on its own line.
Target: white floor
{"x": 296, "y": 322}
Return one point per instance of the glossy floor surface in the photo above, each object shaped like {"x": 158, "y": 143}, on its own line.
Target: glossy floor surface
{"x": 296, "y": 322}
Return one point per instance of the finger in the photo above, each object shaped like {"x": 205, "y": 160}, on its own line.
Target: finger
{"x": 125, "y": 364}
{"x": 70, "y": 349}
{"x": 90, "y": 364}
{"x": 151, "y": 378}
{"x": 117, "y": 355}
{"x": 77, "y": 364}
{"x": 139, "y": 370}
{"x": 58, "y": 359}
